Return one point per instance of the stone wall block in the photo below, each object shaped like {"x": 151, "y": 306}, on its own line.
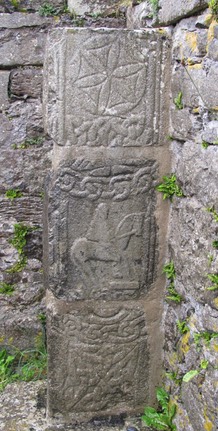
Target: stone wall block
{"x": 171, "y": 12}
{"x": 81, "y": 7}
{"x": 26, "y": 82}
{"x": 22, "y": 47}
{"x": 19, "y": 20}
{"x": 27, "y": 6}
{"x": 4, "y": 83}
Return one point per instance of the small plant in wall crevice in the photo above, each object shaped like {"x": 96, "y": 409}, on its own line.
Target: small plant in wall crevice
{"x": 170, "y": 187}
{"x": 170, "y": 272}
{"x": 162, "y": 418}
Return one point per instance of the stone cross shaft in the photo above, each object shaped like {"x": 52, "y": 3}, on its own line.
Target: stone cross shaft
{"x": 106, "y": 100}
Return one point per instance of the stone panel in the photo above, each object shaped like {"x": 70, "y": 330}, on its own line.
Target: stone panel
{"x": 106, "y": 107}
{"x": 115, "y": 91}
{"x": 98, "y": 359}
{"x": 103, "y": 236}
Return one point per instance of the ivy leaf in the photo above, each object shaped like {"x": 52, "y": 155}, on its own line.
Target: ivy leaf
{"x": 188, "y": 376}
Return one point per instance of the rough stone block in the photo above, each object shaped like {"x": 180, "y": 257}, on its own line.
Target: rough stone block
{"x": 98, "y": 359}
{"x": 18, "y": 20}
{"x": 22, "y": 47}
{"x": 4, "y": 81}
{"x": 103, "y": 229}
{"x": 171, "y": 12}
{"x": 116, "y": 91}
{"x": 26, "y": 82}
{"x": 91, "y": 6}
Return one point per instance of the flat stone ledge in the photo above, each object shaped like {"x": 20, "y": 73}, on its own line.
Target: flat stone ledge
{"x": 19, "y": 19}
{"x": 171, "y": 12}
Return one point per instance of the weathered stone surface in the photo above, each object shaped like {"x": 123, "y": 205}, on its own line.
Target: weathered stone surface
{"x": 102, "y": 237}
{"x": 92, "y": 6}
{"x": 19, "y": 19}
{"x": 194, "y": 74}
{"x": 26, "y": 82}
{"x": 23, "y": 119}
{"x": 112, "y": 252}
{"x": 171, "y": 12}
{"x": 4, "y": 82}
{"x": 23, "y": 407}
{"x": 98, "y": 359}
{"x": 22, "y": 47}
{"x": 139, "y": 16}
{"x": 27, "y": 5}
{"x": 116, "y": 91}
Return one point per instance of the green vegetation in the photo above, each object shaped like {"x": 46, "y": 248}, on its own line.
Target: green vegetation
{"x": 23, "y": 365}
{"x": 48, "y": 10}
{"x": 13, "y": 194}
{"x": 42, "y": 318}
{"x": 15, "y": 4}
{"x": 172, "y": 375}
{"x": 155, "y": 7}
{"x": 212, "y": 211}
{"x": 6, "y": 289}
{"x": 213, "y": 5}
{"x": 204, "y": 364}
{"x": 214, "y": 279}
{"x": 19, "y": 241}
{"x": 161, "y": 419}
{"x": 204, "y": 336}
{"x": 215, "y": 244}
{"x": 173, "y": 295}
{"x": 28, "y": 143}
{"x": 182, "y": 326}
{"x": 205, "y": 144}
{"x": 178, "y": 101}
{"x": 170, "y": 272}
{"x": 169, "y": 187}
{"x": 188, "y": 376}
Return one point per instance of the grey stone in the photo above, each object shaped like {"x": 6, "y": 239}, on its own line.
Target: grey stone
{"x": 112, "y": 252}
{"x": 98, "y": 359}
{"x": 113, "y": 76}
{"x": 101, "y": 242}
{"x": 22, "y": 47}
{"x": 139, "y": 16}
{"x": 5, "y": 129}
{"x": 18, "y": 20}
{"x": 26, "y": 82}
{"x": 23, "y": 119}
{"x": 27, "y": 6}
{"x": 81, "y": 7}
{"x": 210, "y": 132}
{"x": 171, "y": 12}
{"x": 4, "y": 82}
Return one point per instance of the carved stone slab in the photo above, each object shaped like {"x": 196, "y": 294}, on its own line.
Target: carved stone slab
{"x": 98, "y": 360}
{"x": 106, "y": 87}
{"x": 103, "y": 229}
